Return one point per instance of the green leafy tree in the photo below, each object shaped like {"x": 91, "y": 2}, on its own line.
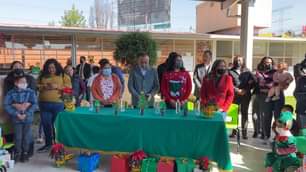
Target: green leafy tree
{"x": 129, "y": 45}
{"x": 73, "y": 18}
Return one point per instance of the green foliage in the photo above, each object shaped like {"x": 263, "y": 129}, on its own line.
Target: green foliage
{"x": 73, "y": 18}
{"x": 129, "y": 45}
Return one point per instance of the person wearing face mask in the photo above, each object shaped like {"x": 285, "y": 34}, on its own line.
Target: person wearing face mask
{"x": 9, "y": 80}
{"x": 300, "y": 95}
{"x": 117, "y": 71}
{"x": 176, "y": 82}
{"x": 243, "y": 81}
{"x": 9, "y": 84}
{"x": 84, "y": 72}
{"x": 200, "y": 71}
{"x": 106, "y": 87}
{"x": 21, "y": 103}
{"x": 267, "y": 110}
{"x": 218, "y": 87}
{"x": 143, "y": 78}
{"x": 78, "y": 85}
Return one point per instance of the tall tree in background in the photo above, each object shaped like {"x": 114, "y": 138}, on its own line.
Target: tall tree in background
{"x": 102, "y": 14}
{"x": 73, "y": 18}
{"x": 91, "y": 19}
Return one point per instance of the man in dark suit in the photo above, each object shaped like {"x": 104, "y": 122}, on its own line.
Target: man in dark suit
{"x": 84, "y": 72}
{"x": 84, "y": 69}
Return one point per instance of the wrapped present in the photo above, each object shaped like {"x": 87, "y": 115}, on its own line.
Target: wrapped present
{"x": 185, "y": 165}
{"x": 88, "y": 163}
{"x": 165, "y": 165}
{"x": 149, "y": 165}
{"x": 119, "y": 163}
{"x": 136, "y": 158}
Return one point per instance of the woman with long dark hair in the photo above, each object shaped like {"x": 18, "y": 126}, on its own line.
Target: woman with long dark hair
{"x": 176, "y": 82}
{"x": 266, "y": 110}
{"x": 51, "y": 82}
{"x": 217, "y": 87}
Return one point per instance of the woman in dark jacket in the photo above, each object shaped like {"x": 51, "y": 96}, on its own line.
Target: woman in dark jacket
{"x": 244, "y": 82}
{"x": 9, "y": 80}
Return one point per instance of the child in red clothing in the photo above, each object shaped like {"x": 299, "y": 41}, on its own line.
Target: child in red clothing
{"x": 176, "y": 82}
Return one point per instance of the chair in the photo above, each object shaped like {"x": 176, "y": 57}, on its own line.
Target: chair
{"x": 301, "y": 144}
{"x": 232, "y": 121}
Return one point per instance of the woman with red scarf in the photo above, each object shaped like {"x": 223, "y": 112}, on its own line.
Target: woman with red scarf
{"x": 217, "y": 87}
{"x": 176, "y": 83}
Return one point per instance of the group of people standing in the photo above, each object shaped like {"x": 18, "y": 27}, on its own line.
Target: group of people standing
{"x": 213, "y": 81}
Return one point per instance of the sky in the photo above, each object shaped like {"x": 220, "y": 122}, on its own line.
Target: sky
{"x": 183, "y": 13}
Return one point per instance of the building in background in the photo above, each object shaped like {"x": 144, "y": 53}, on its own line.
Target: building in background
{"x": 144, "y": 14}
{"x": 211, "y": 18}
{"x": 34, "y": 44}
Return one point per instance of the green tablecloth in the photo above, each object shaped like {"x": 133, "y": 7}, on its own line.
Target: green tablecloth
{"x": 169, "y": 135}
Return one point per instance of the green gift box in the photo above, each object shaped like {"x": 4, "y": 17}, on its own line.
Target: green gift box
{"x": 185, "y": 165}
{"x": 149, "y": 165}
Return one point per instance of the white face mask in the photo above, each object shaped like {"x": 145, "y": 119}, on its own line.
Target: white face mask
{"x": 22, "y": 86}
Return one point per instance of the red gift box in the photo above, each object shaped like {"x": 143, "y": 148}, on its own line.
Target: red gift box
{"x": 119, "y": 163}
{"x": 165, "y": 166}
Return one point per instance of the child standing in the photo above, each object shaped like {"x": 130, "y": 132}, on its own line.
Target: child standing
{"x": 281, "y": 80}
{"x": 21, "y": 103}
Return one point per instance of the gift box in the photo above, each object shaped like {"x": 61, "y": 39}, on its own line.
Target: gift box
{"x": 185, "y": 165}
{"x": 88, "y": 163}
{"x": 165, "y": 165}
{"x": 119, "y": 163}
{"x": 149, "y": 165}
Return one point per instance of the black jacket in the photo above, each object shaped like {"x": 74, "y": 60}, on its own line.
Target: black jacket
{"x": 245, "y": 80}
{"x": 87, "y": 70}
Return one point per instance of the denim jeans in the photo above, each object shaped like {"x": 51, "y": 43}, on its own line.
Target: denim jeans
{"x": 48, "y": 113}
{"x": 23, "y": 137}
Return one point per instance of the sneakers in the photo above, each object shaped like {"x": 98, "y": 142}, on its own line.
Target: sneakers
{"x": 24, "y": 157}
{"x": 234, "y": 133}
{"x": 274, "y": 98}
{"x": 17, "y": 157}
{"x": 44, "y": 149}
{"x": 255, "y": 135}
{"x": 39, "y": 140}
{"x": 268, "y": 99}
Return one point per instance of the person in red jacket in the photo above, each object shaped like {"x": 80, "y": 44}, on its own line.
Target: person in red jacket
{"x": 176, "y": 82}
{"x": 218, "y": 87}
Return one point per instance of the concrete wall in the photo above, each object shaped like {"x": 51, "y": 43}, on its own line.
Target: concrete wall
{"x": 210, "y": 17}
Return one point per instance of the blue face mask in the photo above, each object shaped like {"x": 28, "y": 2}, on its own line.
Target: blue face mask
{"x": 107, "y": 72}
